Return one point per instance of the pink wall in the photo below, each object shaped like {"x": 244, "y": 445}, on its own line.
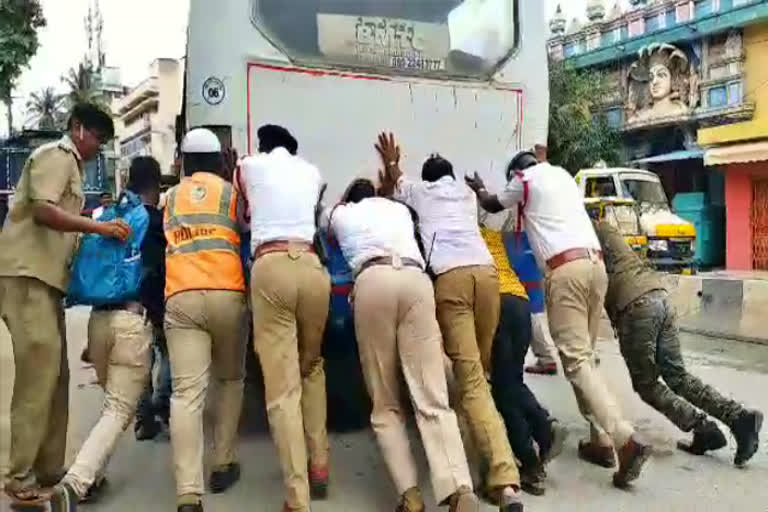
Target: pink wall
{"x": 738, "y": 212}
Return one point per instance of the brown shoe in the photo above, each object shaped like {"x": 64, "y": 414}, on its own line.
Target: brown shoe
{"x": 464, "y": 500}
{"x": 595, "y": 454}
{"x": 411, "y": 501}
{"x": 632, "y": 456}
{"x": 542, "y": 369}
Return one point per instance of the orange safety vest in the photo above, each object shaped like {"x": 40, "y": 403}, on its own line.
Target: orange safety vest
{"x": 203, "y": 251}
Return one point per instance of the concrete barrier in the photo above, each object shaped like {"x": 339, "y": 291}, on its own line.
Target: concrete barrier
{"x": 721, "y": 305}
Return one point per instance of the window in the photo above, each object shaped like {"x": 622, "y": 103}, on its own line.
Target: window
{"x": 734, "y": 93}
{"x": 718, "y": 97}
{"x": 644, "y": 191}
{"x": 572, "y": 49}
{"x": 602, "y": 186}
{"x": 703, "y": 8}
{"x": 671, "y": 18}
{"x": 462, "y": 37}
{"x": 614, "y": 117}
{"x": 652, "y": 24}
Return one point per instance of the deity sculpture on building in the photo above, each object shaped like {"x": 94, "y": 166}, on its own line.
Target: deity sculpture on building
{"x": 662, "y": 84}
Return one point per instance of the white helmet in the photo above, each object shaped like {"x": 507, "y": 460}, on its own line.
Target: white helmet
{"x": 200, "y": 140}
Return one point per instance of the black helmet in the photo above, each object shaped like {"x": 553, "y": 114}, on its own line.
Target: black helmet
{"x": 522, "y": 160}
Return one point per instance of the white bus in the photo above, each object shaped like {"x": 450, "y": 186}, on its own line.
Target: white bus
{"x": 463, "y": 78}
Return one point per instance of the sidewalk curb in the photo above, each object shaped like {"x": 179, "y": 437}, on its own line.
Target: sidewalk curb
{"x": 721, "y": 306}
{"x": 724, "y": 335}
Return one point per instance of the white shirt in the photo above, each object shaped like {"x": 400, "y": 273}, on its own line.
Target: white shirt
{"x": 554, "y": 216}
{"x": 447, "y": 212}
{"x": 282, "y": 192}
{"x": 97, "y": 212}
{"x": 373, "y": 228}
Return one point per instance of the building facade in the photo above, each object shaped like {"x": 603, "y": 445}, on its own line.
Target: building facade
{"x": 145, "y": 117}
{"x": 740, "y": 152}
{"x": 685, "y": 76}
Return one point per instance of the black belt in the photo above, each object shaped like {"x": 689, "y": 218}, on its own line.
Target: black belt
{"x": 132, "y": 307}
{"x": 388, "y": 261}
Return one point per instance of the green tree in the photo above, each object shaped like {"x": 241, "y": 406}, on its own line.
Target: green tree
{"x": 579, "y": 136}
{"x": 45, "y": 109}
{"x": 82, "y": 85}
{"x": 19, "y": 23}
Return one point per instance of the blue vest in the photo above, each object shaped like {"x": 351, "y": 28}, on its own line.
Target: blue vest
{"x": 523, "y": 261}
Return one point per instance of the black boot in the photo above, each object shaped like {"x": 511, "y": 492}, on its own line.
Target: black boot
{"x": 224, "y": 478}
{"x": 532, "y": 481}
{"x": 746, "y": 430}
{"x": 197, "y": 507}
{"x": 146, "y": 429}
{"x": 706, "y": 437}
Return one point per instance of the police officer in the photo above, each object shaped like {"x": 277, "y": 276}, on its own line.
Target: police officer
{"x": 205, "y": 316}
{"x": 38, "y": 244}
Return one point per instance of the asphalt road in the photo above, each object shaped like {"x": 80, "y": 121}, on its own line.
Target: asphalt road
{"x": 141, "y": 478}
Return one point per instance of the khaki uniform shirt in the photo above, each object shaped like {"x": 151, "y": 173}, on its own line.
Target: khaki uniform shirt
{"x": 629, "y": 277}
{"x": 53, "y": 174}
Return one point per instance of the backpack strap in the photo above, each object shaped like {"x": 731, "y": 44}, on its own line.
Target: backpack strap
{"x": 521, "y": 206}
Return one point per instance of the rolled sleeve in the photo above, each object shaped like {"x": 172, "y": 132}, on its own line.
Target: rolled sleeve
{"x": 50, "y": 174}
{"x": 512, "y": 194}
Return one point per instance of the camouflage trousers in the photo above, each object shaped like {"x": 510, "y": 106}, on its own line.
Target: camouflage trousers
{"x": 648, "y": 336}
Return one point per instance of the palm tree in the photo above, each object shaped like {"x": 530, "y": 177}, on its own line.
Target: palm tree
{"x": 44, "y": 108}
{"x": 82, "y": 85}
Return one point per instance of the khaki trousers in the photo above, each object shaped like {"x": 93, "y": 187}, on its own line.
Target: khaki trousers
{"x": 34, "y": 315}
{"x": 396, "y": 329}
{"x": 575, "y": 295}
{"x": 468, "y": 306}
{"x": 290, "y": 292}
{"x": 118, "y": 344}
{"x": 206, "y": 332}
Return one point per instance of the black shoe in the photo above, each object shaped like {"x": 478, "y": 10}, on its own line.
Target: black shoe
{"x": 95, "y": 491}
{"x": 146, "y": 430}
{"x": 705, "y": 438}
{"x": 224, "y": 479}
{"x": 531, "y": 481}
{"x": 197, "y": 507}
{"x": 510, "y": 503}
{"x": 746, "y": 430}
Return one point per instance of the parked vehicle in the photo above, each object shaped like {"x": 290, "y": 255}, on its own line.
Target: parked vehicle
{"x": 14, "y": 154}
{"x": 454, "y": 76}
{"x": 623, "y": 215}
{"x": 671, "y": 239}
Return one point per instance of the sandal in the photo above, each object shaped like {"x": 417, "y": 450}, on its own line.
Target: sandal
{"x": 29, "y": 499}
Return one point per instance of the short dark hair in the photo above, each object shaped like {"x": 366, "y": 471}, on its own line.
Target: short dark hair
{"x": 359, "y": 189}
{"x": 144, "y": 174}
{"x": 210, "y": 162}
{"x": 105, "y": 194}
{"x": 93, "y": 118}
{"x": 436, "y": 167}
{"x": 521, "y": 161}
{"x": 273, "y": 136}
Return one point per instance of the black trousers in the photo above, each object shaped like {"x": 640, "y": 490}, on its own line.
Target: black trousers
{"x": 526, "y": 420}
